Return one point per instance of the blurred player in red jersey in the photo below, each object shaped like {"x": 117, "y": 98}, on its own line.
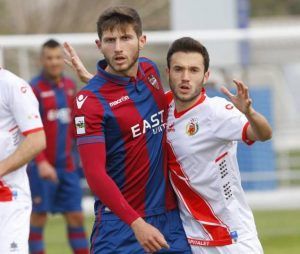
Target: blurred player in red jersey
{"x": 21, "y": 138}
{"x": 53, "y": 175}
{"x": 120, "y": 127}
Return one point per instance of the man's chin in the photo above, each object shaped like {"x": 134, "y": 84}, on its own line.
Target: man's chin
{"x": 184, "y": 98}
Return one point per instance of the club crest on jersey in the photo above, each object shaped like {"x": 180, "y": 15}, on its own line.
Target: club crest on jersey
{"x": 80, "y": 125}
{"x": 192, "y": 127}
{"x": 153, "y": 81}
{"x": 171, "y": 127}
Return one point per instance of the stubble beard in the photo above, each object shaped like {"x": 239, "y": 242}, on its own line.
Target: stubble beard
{"x": 191, "y": 97}
{"x": 125, "y": 70}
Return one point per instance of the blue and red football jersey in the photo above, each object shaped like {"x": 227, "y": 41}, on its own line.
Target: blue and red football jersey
{"x": 55, "y": 108}
{"x": 129, "y": 115}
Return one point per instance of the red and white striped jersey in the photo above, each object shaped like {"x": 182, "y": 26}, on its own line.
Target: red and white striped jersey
{"x": 19, "y": 114}
{"x": 202, "y": 144}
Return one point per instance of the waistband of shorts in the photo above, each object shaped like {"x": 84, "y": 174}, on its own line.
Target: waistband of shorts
{"x": 108, "y": 215}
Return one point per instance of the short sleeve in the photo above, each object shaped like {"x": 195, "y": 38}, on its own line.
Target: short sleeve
{"x": 228, "y": 122}
{"x": 88, "y": 118}
{"x": 24, "y": 107}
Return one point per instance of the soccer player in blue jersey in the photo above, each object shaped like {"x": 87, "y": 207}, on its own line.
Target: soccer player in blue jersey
{"x": 119, "y": 119}
{"x": 54, "y": 180}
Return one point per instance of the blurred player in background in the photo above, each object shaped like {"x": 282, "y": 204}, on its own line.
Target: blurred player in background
{"x": 54, "y": 180}
{"x": 120, "y": 126}
{"x": 21, "y": 138}
{"x": 202, "y": 134}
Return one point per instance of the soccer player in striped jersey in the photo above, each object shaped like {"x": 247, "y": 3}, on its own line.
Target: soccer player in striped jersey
{"x": 21, "y": 138}
{"x": 120, "y": 118}
{"x": 53, "y": 176}
{"x": 202, "y": 140}
{"x": 202, "y": 136}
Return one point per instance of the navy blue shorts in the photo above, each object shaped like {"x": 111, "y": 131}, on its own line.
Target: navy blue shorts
{"x": 112, "y": 236}
{"x": 47, "y": 196}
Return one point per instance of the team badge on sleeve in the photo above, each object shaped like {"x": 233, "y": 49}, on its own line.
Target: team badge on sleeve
{"x": 80, "y": 125}
{"x": 192, "y": 127}
{"x": 153, "y": 81}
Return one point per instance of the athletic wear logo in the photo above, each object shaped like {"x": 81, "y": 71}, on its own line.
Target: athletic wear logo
{"x": 122, "y": 99}
{"x": 80, "y": 125}
{"x": 13, "y": 247}
{"x": 23, "y": 89}
{"x": 192, "y": 127}
{"x": 229, "y": 106}
{"x": 153, "y": 81}
{"x": 171, "y": 127}
{"x": 155, "y": 123}
{"x": 80, "y": 100}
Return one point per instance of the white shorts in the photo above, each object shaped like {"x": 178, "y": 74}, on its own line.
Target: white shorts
{"x": 250, "y": 246}
{"x": 14, "y": 227}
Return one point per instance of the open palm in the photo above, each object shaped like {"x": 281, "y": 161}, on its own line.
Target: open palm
{"x": 241, "y": 99}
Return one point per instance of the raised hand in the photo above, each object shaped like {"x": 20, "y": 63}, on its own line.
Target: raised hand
{"x": 241, "y": 99}
{"x": 72, "y": 59}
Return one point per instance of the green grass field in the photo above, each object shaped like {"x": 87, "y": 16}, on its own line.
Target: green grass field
{"x": 279, "y": 232}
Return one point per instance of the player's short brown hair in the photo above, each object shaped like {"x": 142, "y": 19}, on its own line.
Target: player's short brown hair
{"x": 188, "y": 44}
{"x": 119, "y": 16}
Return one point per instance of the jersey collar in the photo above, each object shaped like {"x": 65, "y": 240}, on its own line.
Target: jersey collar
{"x": 121, "y": 80}
{"x": 199, "y": 101}
{"x": 50, "y": 82}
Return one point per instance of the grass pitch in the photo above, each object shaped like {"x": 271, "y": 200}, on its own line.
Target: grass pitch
{"x": 279, "y": 232}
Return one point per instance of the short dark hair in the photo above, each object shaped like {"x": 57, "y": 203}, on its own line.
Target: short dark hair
{"x": 51, "y": 43}
{"x": 188, "y": 44}
{"x": 119, "y": 16}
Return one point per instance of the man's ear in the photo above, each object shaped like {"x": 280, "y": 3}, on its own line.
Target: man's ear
{"x": 98, "y": 43}
{"x": 206, "y": 76}
{"x": 142, "y": 41}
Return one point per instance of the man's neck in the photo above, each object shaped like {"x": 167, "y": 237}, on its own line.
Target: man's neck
{"x": 54, "y": 79}
{"x": 185, "y": 105}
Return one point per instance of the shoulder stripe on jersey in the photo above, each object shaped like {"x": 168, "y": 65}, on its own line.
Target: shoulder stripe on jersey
{"x": 90, "y": 140}
{"x": 25, "y": 133}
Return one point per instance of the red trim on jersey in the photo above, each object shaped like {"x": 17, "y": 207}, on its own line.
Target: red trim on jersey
{"x": 221, "y": 156}
{"x": 5, "y": 193}
{"x": 13, "y": 128}
{"x": 25, "y": 133}
{"x": 244, "y": 135}
{"x": 197, "y": 206}
{"x": 169, "y": 97}
{"x": 207, "y": 243}
{"x": 199, "y": 101}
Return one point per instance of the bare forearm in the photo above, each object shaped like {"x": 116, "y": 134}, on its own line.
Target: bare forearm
{"x": 31, "y": 146}
{"x": 260, "y": 128}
